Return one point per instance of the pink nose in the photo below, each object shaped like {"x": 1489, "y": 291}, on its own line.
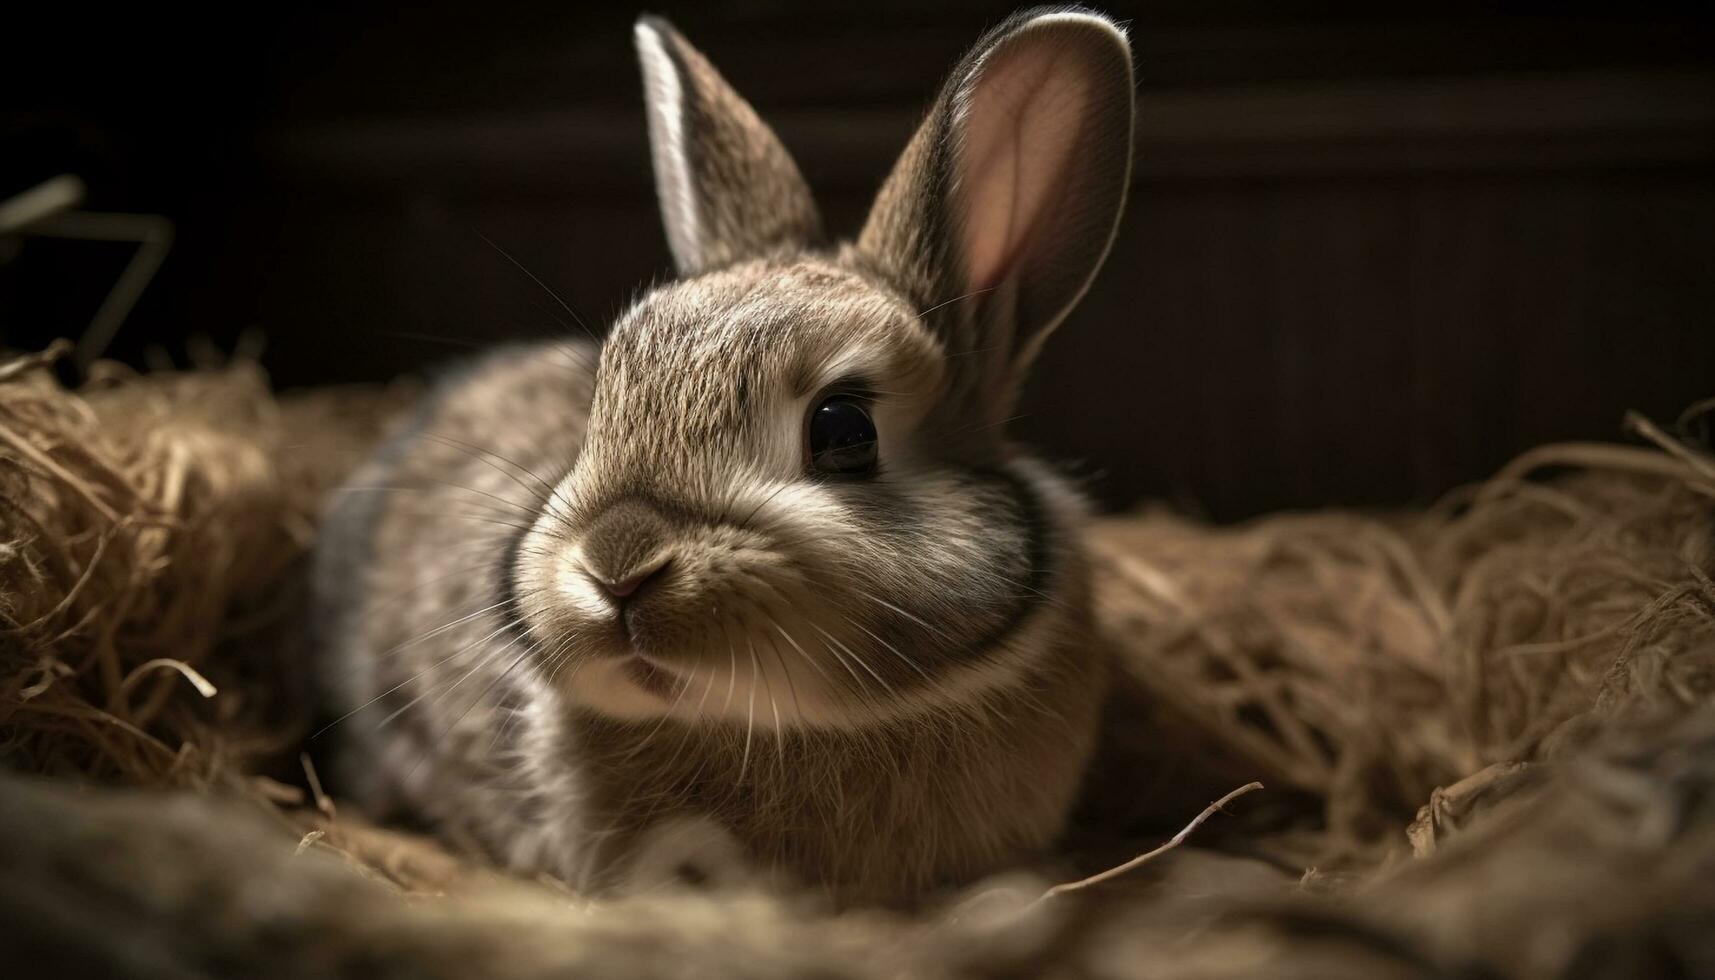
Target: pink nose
{"x": 625, "y": 587}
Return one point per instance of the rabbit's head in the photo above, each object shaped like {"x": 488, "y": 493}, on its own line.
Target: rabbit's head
{"x": 796, "y": 502}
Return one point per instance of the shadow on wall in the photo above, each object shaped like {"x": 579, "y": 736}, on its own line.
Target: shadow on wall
{"x": 1368, "y": 255}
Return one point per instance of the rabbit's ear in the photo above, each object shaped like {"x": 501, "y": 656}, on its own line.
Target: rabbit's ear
{"x": 728, "y": 189}
{"x": 1006, "y": 200}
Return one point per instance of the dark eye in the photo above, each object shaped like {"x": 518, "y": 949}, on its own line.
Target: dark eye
{"x": 842, "y": 437}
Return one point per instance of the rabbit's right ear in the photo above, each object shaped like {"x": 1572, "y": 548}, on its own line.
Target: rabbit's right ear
{"x": 728, "y": 189}
{"x": 1002, "y": 208}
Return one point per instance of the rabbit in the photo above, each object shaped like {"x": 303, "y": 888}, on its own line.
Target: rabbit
{"x": 757, "y": 588}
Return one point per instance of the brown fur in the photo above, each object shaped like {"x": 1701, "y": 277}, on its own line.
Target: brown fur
{"x": 871, "y": 686}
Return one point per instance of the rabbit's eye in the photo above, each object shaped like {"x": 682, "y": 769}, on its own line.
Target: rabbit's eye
{"x": 842, "y": 437}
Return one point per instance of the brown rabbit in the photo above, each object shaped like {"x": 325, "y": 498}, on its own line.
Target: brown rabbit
{"x": 761, "y": 577}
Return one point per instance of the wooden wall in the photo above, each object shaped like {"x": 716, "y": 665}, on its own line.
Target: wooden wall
{"x": 1369, "y": 254}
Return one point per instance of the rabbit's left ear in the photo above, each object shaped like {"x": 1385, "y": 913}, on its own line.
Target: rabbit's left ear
{"x": 1005, "y": 202}
{"x": 727, "y": 187}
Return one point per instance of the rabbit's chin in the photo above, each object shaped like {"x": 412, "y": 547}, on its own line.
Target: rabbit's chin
{"x": 755, "y": 682}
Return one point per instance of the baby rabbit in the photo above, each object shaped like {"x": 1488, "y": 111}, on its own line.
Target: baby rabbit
{"x": 760, "y": 577}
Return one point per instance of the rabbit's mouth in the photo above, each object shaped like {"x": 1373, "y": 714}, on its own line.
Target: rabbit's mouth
{"x": 649, "y": 676}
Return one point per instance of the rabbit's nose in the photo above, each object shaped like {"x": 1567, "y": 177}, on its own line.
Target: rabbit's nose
{"x": 625, "y": 548}
{"x": 623, "y": 589}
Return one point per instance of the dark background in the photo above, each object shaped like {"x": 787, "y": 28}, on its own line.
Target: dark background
{"x": 1372, "y": 250}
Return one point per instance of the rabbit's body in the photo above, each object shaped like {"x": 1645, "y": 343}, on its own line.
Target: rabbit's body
{"x": 459, "y": 734}
{"x": 411, "y": 587}
{"x": 760, "y": 576}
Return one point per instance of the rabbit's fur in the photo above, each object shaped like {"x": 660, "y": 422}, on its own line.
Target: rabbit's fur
{"x": 871, "y": 685}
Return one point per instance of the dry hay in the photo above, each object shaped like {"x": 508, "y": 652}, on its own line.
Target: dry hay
{"x": 1370, "y": 660}
{"x": 148, "y": 523}
{"x": 1472, "y": 720}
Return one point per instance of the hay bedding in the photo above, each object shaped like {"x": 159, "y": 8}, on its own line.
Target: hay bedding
{"x": 1484, "y": 731}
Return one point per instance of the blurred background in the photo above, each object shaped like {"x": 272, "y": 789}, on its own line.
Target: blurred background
{"x": 1372, "y": 250}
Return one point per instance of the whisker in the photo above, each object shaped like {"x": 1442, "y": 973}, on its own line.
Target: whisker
{"x": 915, "y": 619}
{"x": 456, "y": 722}
{"x": 477, "y": 518}
{"x": 750, "y": 718}
{"x": 707, "y": 687}
{"x": 791, "y": 685}
{"x": 861, "y": 661}
{"x": 551, "y": 294}
{"x": 660, "y": 723}
{"x": 862, "y": 688}
{"x": 483, "y": 660}
{"x": 561, "y": 650}
{"x": 732, "y": 675}
{"x": 394, "y": 651}
{"x": 525, "y": 509}
{"x": 773, "y": 706}
{"x": 955, "y": 299}
{"x": 909, "y": 662}
{"x": 489, "y": 457}
{"x": 745, "y": 524}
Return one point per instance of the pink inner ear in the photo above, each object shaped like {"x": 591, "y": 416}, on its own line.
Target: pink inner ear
{"x": 1021, "y": 128}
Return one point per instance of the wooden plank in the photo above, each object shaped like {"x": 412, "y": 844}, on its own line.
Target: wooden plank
{"x": 1442, "y": 125}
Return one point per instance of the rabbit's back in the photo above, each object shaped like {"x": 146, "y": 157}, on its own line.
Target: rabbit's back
{"x": 423, "y": 653}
